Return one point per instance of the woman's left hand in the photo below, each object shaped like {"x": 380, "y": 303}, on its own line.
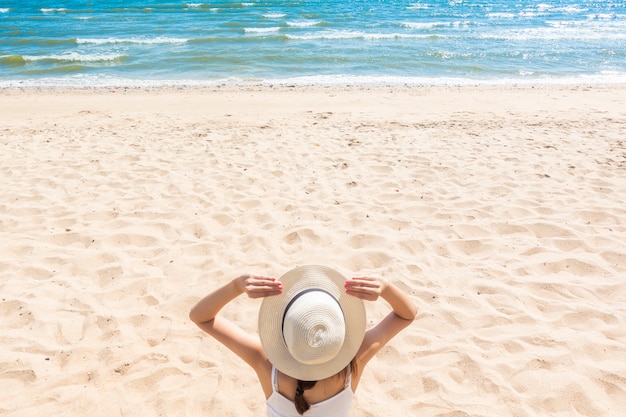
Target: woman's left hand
{"x": 257, "y": 286}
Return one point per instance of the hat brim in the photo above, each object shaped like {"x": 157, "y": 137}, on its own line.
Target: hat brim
{"x": 271, "y": 317}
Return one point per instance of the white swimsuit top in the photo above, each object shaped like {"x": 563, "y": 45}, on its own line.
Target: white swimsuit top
{"x": 336, "y": 406}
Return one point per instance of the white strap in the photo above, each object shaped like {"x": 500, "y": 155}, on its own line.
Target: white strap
{"x": 349, "y": 376}
{"x": 274, "y": 378}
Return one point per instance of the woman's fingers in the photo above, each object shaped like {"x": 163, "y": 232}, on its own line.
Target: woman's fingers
{"x": 260, "y": 286}
{"x": 365, "y": 282}
{"x": 366, "y": 288}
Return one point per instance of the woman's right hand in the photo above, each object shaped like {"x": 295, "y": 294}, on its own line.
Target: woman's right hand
{"x": 257, "y": 286}
{"x": 366, "y": 288}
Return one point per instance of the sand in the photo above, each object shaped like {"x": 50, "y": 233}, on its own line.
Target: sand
{"x": 500, "y": 210}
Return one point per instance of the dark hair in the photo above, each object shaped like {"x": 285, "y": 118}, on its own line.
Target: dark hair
{"x": 302, "y": 405}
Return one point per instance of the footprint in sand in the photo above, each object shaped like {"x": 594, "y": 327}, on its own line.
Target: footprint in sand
{"x": 15, "y": 314}
{"x": 16, "y": 381}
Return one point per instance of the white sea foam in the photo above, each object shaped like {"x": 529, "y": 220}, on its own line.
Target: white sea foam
{"x": 418, "y": 6}
{"x": 555, "y": 33}
{"x": 53, "y": 10}
{"x": 74, "y": 57}
{"x": 542, "y": 7}
{"x": 501, "y": 15}
{"x": 350, "y": 34}
{"x": 601, "y": 16}
{"x": 4, "y": 10}
{"x": 608, "y": 28}
{"x": 274, "y": 15}
{"x": 139, "y": 40}
{"x": 460, "y": 23}
{"x": 570, "y": 9}
{"x": 303, "y": 23}
{"x": 262, "y": 30}
{"x": 91, "y": 81}
{"x": 386, "y": 80}
{"x": 425, "y": 25}
{"x": 562, "y": 23}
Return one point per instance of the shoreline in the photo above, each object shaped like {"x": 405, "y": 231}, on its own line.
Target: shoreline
{"x": 339, "y": 81}
{"x": 269, "y": 87}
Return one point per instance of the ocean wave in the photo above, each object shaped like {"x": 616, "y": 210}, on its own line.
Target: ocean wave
{"x": 418, "y": 6}
{"x": 501, "y": 15}
{"x": 139, "y": 40}
{"x": 348, "y": 34}
{"x": 12, "y": 60}
{"x": 274, "y": 15}
{"x": 601, "y": 16}
{"x": 303, "y": 23}
{"x": 558, "y": 32}
{"x": 543, "y": 9}
{"x": 94, "y": 81}
{"x": 570, "y": 9}
{"x": 74, "y": 57}
{"x": 53, "y": 10}
{"x": 424, "y": 25}
{"x": 608, "y": 27}
{"x": 436, "y": 25}
{"x": 44, "y": 42}
{"x": 4, "y": 10}
{"x": 70, "y": 68}
{"x": 262, "y": 30}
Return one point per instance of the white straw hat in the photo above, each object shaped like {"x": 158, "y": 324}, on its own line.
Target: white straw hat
{"x": 313, "y": 329}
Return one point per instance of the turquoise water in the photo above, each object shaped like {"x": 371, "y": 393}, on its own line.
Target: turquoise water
{"x": 57, "y": 42}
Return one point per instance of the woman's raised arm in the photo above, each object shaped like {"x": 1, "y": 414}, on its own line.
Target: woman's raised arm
{"x": 402, "y": 315}
{"x": 205, "y": 315}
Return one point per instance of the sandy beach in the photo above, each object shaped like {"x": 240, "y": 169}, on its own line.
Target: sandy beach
{"x": 501, "y": 210}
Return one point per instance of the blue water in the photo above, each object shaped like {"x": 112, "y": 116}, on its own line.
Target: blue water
{"x": 103, "y": 43}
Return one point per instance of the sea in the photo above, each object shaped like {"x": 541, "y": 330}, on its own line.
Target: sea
{"x": 326, "y": 42}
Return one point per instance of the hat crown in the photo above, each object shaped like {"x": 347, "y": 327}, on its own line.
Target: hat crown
{"x": 314, "y": 327}
{"x": 276, "y": 329}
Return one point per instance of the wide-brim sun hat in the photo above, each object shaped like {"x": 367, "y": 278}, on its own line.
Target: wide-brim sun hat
{"x": 313, "y": 329}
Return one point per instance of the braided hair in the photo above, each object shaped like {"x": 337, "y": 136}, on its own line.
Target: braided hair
{"x": 301, "y": 403}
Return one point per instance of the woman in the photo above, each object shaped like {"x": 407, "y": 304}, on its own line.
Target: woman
{"x": 312, "y": 346}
